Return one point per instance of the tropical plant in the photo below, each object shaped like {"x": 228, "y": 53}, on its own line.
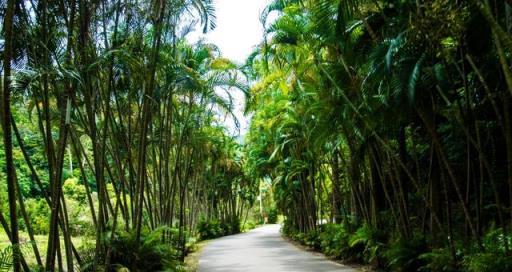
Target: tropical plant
{"x": 365, "y": 117}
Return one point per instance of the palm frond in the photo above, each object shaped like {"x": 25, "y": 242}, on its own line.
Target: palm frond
{"x": 413, "y": 79}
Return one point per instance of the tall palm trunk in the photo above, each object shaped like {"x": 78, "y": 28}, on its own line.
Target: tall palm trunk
{"x": 6, "y": 125}
{"x": 146, "y": 115}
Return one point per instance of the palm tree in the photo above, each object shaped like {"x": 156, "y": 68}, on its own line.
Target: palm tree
{"x": 7, "y": 135}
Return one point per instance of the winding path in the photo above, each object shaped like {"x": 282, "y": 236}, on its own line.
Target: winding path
{"x": 262, "y": 250}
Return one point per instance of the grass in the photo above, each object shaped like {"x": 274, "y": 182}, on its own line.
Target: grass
{"x": 42, "y": 243}
{"x": 192, "y": 259}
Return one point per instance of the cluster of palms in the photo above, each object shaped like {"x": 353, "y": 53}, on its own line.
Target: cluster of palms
{"x": 115, "y": 86}
{"x": 389, "y": 114}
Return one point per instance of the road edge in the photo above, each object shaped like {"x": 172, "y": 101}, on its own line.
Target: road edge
{"x": 358, "y": 267}
{"x": 192, "y": 260}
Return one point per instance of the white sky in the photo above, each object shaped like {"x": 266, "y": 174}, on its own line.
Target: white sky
{"x": 238, "y": 31}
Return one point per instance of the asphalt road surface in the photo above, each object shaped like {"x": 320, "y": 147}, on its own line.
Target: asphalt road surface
{"x": 262, "y": 250}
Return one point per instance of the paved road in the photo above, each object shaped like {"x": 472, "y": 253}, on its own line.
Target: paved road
{"x": 262, "y": 250}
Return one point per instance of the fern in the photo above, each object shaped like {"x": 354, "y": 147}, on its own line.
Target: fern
{"x": 413, "y": 79}
{"x": 437, "y": 260}
{"x": 7, "y": 255}
{"x": 369, "y": 240}
{"x": 151, "y": 254}
{"x": 6, "y": 259}
{"x": 487, "y": 262}
{"x": 403, "y": 254}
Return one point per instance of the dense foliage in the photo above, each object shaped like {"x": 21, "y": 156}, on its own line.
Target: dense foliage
{"x": 390, "y": 120}
{"x": 113, "y": 142}
{"x": 381, "y": 132}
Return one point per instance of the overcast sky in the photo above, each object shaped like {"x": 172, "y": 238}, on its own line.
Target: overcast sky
{"x": 238, "y": 31}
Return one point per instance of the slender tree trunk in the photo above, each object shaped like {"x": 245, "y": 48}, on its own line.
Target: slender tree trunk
{"x": 7, "y": 136}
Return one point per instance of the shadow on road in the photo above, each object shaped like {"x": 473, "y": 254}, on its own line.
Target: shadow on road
{"x": 262, "y": 249}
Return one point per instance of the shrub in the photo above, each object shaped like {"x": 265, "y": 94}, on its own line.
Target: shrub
{"x": 209, "y": 229}
{"x": 487, "y": 262}
{"x": 230, "y": 227}
{"x": 367, "y": 243}
{"x": 87, "y": 251}
{"x": 236, "y": 227}
{"x": 438, "y": 260}
{"x": 287, "y": 229}
{"x": 191, "y": 244}
{"x": 74, "y": 190}
{"x": 151, "y": 254}
{"x": 38, "y": 212}
{"x": 403, "y": 254}
{"x": 80, "y": 220}
{"x": 494, "y": 258}
{"x": 272, "y": 216}
{"x": 213, "y": 228}
{"x": 312, "y": 239}
{"x": 248, "y": 225}
{"x": 334, "y": 240}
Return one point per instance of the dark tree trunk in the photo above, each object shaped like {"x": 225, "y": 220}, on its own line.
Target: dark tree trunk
{"x": 6, "y": 125}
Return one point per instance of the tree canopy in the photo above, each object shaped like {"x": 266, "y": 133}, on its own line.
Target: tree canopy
{"x": 380, "y": 131}
{"x": 390, "y": 120}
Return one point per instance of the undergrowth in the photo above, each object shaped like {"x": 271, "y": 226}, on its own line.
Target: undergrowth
{"x": 382, "y": 251}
